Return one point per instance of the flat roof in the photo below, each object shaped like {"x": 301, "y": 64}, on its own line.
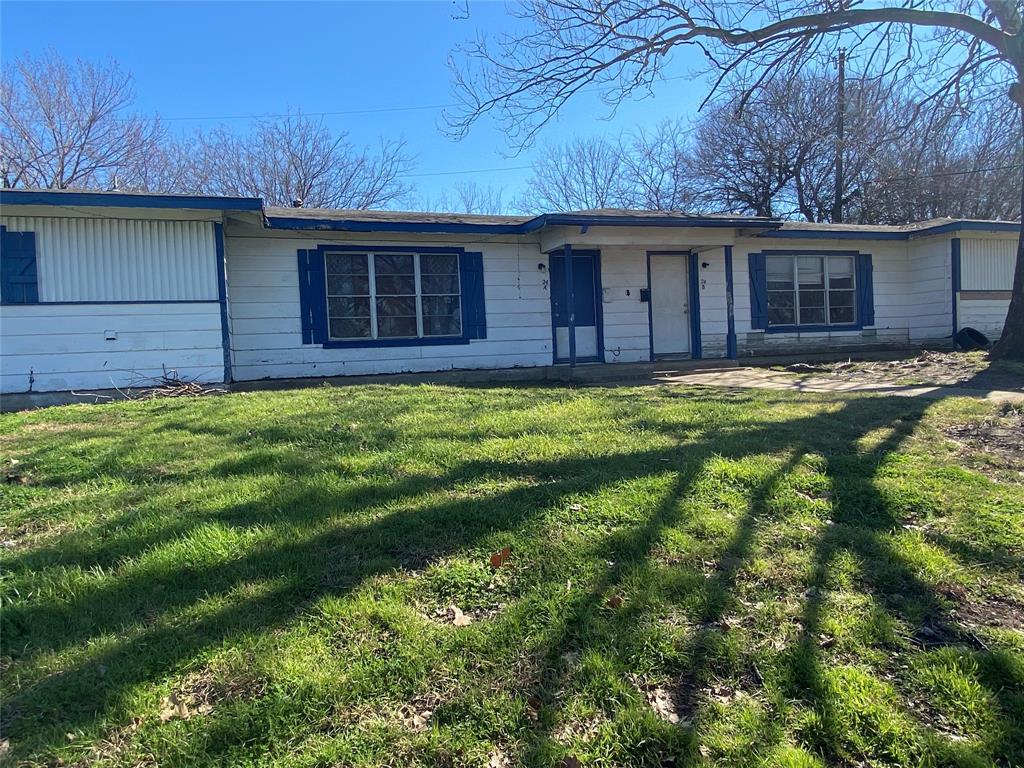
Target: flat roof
{"x": 332, "y": 219}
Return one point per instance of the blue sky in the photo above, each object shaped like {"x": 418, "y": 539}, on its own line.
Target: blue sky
{"x": 214, "y": 59}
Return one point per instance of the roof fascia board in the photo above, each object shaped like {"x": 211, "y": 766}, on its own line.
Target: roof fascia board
{"x": 910, "y": 234}
{"x": 111, "y": 200}
{"x": 350, "y": 225}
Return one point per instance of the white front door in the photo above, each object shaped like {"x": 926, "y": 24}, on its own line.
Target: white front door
{"x": 670, "y": 313}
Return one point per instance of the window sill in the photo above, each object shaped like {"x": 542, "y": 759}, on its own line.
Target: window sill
{"x": 813, "y": 328}
{"x": 437, "y": 341}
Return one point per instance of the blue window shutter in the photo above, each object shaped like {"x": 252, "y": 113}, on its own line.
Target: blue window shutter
{"x": 865, "y": 290}
{"x": 19, "y": 283}
{"x": 474, "y": 313}
{"x": 305, "y": 303}
{"x": 758, "y": 291}
{"x": 317, "y": 295}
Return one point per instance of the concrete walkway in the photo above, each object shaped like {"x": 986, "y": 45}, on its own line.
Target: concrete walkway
{"x": 763, "y": 378}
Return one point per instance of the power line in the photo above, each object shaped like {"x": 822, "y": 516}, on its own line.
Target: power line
{"x": 473, "y": 170}
{"x": 941, "y": 174}
{"x": 268, "y": 115}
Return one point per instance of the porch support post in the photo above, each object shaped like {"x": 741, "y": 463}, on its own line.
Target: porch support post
{"x": 730, "y": 336}
{"x": 570, "y": 304}
{"x": 693, "y": 271}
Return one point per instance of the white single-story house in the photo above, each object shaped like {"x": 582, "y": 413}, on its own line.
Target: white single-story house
{"x": 100, "y": 289}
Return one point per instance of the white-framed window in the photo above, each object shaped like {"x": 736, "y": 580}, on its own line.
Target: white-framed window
{"x": 387, "y": 295}
{"x": 811, "y": 290}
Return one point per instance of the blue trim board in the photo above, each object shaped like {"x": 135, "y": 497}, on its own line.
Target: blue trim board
{"x": 350, "y": 225}
{"x": 693, "y": 273}
{"x": 118, "y": 302}
{"x": 222, "y": 298}
{"x": 730, "y": 336}
{"x": 910, "y": 234}
{"x": 570, "y": 302}
{"x": 954, "y": 257}
{"x": 124, "y": 200}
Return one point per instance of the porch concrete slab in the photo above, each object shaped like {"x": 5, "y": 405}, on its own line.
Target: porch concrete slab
{"x": 762, "y": 378}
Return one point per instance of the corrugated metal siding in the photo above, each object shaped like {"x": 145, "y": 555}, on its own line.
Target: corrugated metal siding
{"x": 103, "y": 259}
{"x": 987, "y": 265}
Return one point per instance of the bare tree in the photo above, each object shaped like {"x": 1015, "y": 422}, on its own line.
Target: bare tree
{"x": 65, "y": 125}
{"x": 296, "y": 158}
{"x": 577, "y": 175}
{"x": 659, "y": 168}
{"x": 965, "y": 52}
{"x": 468, "y": 197}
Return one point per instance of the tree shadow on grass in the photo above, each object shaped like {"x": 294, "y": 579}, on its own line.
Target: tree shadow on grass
{"x": 276, "y": 581}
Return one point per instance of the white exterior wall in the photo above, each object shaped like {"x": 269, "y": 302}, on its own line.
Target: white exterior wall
{"x": 266, "y": 333}
{"x": 62, "y": 344}
{"x": 905, "y": 288}
{"x": 626, "y": 328}
{"x": 714, "y": 319}
{"x": 985, "y": 315}
{"x": 929, "y": 298}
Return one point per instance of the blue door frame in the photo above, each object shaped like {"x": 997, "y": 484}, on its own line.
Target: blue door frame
{"x": 582, "y": 294}
{"x": 693, "y": 284}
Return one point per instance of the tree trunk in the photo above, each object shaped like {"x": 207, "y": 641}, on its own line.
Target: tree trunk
{"x": 1011, "y": 344}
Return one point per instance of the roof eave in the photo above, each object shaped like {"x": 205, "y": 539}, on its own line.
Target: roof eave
{"x": 115, "y": 200}
{"x": 425, "y": 227}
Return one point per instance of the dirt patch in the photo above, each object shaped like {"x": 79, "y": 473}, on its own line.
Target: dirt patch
{"x": 926, "y": 368}
{"x": 1001, "y": 611}
{"x": 999, "y": 437}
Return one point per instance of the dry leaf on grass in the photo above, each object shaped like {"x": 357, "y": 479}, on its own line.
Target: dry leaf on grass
{"x": 533, "y": 705}
{"x": 615, "y": 601}
{"x": 498, "y": 759}
{"x": 498, "y": 559}
{"x": 459, "y": 619}
{"x": 416, "y": 721}
{"x": 172, "y": 707}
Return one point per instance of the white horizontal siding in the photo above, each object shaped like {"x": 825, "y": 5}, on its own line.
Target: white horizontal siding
{"x": 62, "y": 347}
{"x": 985, "y": 315}
{"x": 106, "y": 259}
{"x": 912, "y": 296}
{"x": 266, "y": 337}
{"x": 987, "y": 265}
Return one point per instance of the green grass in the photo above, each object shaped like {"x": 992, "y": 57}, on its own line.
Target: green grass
{"x": 696, "y": 577}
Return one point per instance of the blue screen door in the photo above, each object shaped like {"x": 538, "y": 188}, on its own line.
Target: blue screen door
{"x": 585, "y": 305}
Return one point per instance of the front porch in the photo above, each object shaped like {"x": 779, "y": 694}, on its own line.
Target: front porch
{"x": 641, "y": 302}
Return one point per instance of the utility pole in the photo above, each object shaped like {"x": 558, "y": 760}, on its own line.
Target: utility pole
{"x": 837, "y": 206}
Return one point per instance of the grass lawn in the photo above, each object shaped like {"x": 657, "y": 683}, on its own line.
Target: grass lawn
{"x": 695, "y": 577}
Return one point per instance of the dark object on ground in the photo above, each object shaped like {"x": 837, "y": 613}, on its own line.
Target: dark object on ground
{"x": 969, "y": 339}
{"x": 805, "y": 368}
